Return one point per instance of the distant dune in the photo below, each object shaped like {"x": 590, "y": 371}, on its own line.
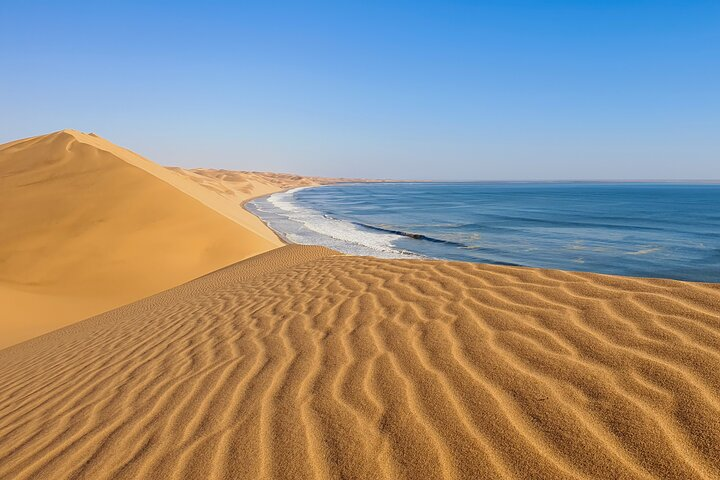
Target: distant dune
{"x": 302, "y": 363}
{"x": 240, "y": 186}
{"x": 87, "y": 226}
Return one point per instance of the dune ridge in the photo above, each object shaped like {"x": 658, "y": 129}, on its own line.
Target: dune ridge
{"x": 87, "y": 226}
{"x": 303, "y": 363}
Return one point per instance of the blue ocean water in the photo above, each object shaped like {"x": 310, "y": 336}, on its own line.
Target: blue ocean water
{"x": 638, "y": 229}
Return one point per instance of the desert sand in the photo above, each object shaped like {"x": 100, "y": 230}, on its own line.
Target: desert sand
{"x": 87, "y": 226}
{"x": 303, "y": 363}
{"x": 300, "y": 362}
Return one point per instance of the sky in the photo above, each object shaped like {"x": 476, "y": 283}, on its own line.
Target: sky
{"x": 444, "y": 90}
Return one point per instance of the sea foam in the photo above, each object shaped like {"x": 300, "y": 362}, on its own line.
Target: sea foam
{"x": 304, "y": 225}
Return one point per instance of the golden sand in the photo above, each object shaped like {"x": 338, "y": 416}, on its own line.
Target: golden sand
{"x": 87, "y": 226}
{"x": 304, "y": 363}
{"x": 301, "y": 363}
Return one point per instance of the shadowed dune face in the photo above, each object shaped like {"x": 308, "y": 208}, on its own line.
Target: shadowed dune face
{"x": 301, "y": 363}
{"x": 87, "y": 226}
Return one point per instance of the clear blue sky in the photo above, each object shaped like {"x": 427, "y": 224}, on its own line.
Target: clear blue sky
{"x": 403, "y": 89}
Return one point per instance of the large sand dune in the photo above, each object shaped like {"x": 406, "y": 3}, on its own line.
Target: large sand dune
{"x": 87, "y": 226}
{"x": 301, "y": 363}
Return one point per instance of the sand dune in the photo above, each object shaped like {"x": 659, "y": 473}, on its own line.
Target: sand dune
{"x": 87, "y": 226}
{"x": 240, "y": 186}
{"x": 301, "y": 363}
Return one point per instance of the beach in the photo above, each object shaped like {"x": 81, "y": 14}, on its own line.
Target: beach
{"x": 170, "y": 334}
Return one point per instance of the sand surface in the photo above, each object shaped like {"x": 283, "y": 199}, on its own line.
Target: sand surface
{"x": 302, "y": 363}
{"x": 87, "y": 226}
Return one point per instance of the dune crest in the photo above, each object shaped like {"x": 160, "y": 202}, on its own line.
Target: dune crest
{"x": 87, "y": 226}
{"x": 301, "y": 363}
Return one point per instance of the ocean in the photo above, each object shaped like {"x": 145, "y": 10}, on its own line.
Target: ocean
{"x": 636, "y": 229}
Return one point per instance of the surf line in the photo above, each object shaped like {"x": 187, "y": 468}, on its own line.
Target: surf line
{"x": 415, "y": 236}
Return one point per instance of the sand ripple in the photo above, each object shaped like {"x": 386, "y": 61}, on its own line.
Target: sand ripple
{"x": 300, "y": 363}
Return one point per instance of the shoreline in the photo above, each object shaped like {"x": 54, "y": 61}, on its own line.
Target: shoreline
{"x": 280, "y": 235}
{"x": 419, "y": 256}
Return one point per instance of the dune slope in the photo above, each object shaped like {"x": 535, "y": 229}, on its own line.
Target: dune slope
{"x": 87, "y": 226}
{"x": 301, "y": 363}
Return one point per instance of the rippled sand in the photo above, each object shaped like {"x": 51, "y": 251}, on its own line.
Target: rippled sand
{"x": 301, "y": 363}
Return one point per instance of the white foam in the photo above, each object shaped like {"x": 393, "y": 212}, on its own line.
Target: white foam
{"x": 283, "y": 200}
{"x": 310, "y": 226}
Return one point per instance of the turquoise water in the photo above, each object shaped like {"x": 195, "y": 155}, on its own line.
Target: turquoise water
{"x": 639, "y": 229}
